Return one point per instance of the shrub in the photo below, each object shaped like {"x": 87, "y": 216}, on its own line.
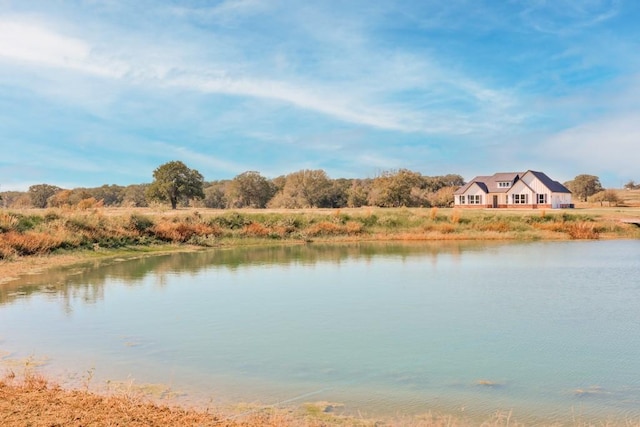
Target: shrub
{"x": 369, "y": 220}
{"x": 255, "y": 229}
{"x": 28, "y": 222}
{"x": 353, "y": 227}
{"x": 51, "y": 216}
{"x": 583, "y": 230}
{"x": 324, "y": 228}
{"x": 139, "y": 223}
{"x": 8, "y": 222}
{"x": 182, "y": 232}
{"x": 232, "y": 220}
{"x": 31, "y": 243}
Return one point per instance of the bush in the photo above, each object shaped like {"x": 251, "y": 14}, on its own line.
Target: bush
{"x": 8, "y": 222}
{"x": 182, "y": 232}
{"x": 324, "y": 228}
{"x": 31, "y": 243}
{"x": 583, "y": 230}
{"x": 139, "y": 223}
{"x": 255, "y": 229}
{"x": 232, "y": 220}
{"x": 369, "y": 220}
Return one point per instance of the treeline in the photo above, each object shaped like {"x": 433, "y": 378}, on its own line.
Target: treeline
{"x": 302, "y": 189}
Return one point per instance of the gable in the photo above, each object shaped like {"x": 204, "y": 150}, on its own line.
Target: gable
{"x": 520, "y": 187}
{"x": 496, "y": 183}
{"x": 541, "y": 183}
{"x": 474, "y": 188}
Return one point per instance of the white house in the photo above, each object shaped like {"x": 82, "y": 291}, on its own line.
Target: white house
{"x": 528, "y": 189}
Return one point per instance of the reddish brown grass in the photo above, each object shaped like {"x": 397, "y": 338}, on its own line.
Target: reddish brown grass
{"x": 256, "y": 230}
{"x": 29, "y": 243}
{"x": 181, "y": 231}
{"x": 583, "y": 230}
{"x": 324, "y": 228}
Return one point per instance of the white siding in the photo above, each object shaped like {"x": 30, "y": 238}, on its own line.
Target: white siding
{"x": 535, "y": 184}
{"x": 558, "y": 200}
{"x": 474, "y": 190}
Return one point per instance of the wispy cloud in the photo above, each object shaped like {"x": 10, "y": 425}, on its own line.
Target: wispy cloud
{"x": 347, "y": 86}
{"x": 362, "y": 103}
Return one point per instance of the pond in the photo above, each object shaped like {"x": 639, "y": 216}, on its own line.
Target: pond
{"x": 548, "y": 330}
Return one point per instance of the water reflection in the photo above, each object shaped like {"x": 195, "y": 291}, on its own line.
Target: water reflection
{"x": 85, "y": 281}
{"x": 397, "y": 328}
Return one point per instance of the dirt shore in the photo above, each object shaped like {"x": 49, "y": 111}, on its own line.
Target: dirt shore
{"x": 35, "y": 402}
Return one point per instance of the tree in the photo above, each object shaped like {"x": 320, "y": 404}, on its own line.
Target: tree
{"x": 135, "y": 196}
{"x": 214, "y": 195}
{"x": 631, "y": 185}
{"x": 174, "y": 181}
{"x": 111, "y": 195}
{"x": 303, "y": 189}
{"x": 610, "y": 196}
{"x": 358, "y": 193}
{"x": 584, "y": 186}
{"x": 397, "y": 188}
{"x": 250, "y": 190}
{"x": 60, "y": 199}
{"x": 443, "y": 198}
{"x": 40, "y": 193}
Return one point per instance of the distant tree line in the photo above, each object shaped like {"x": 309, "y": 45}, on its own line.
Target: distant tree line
{"x": 180, "y": 186}
{"x": 631, "y": 185}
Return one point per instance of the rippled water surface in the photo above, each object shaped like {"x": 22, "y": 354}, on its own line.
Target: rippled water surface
{"x": 547, "y": 330}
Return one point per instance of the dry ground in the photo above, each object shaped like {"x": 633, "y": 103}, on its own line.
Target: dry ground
{"x": 35, "y": 402}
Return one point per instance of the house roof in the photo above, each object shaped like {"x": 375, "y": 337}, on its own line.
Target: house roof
{"x": 552, "y": 185}
{"x": 489, "y": 184}
{"x": 477, "y": 180}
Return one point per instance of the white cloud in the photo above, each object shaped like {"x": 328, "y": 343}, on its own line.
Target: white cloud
{"x": 359, "y": 99}
{"x": 607, "y": 145}
{"x": 33, "y": 43}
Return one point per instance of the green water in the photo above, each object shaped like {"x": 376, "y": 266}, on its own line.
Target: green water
{"x": 550, "y": 331}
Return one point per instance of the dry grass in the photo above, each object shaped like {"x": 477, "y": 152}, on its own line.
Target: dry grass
{"x": 39, "y": 232}
{"x": 36, "y": 402}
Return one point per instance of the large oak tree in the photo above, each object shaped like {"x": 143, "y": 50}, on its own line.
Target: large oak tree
{"x": 174, "y": 181}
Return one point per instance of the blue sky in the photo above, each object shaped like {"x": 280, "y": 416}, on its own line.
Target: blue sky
{"x": 99, "y": 92}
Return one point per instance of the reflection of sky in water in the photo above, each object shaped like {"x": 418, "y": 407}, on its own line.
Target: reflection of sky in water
{"x": 536, "y": 327}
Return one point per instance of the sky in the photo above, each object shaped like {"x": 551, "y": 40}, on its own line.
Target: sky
{"x": 97, "y": 92}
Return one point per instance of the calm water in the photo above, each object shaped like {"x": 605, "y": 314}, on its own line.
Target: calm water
{"x": 547, "y": 330}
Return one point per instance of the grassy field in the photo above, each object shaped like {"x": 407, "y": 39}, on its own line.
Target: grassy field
{"x": 41, "y": 232}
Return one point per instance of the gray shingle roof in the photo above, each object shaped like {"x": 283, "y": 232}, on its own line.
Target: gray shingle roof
{"x": 489, "y": 184}
{"x": 552, "y": 185}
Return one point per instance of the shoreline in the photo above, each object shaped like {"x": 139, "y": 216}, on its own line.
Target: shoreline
{"x": 35, "y": 240}
{"x": 32, "y": 399}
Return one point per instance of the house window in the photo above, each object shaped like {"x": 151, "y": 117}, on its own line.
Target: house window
{"x": 542, "y": 199}
{"x": 504, "y": 184}
{"x": 506, "y": 199}
{"x": 520, "y": 199}
{"x": 462, "y": 200}
{"x": 474, "y": 199}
